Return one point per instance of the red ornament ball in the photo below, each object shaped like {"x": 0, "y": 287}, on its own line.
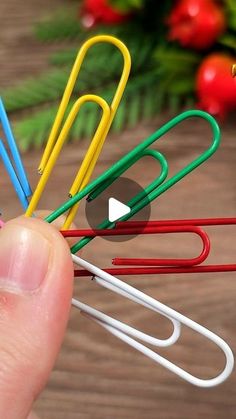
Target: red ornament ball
{"x": 215, "y": 85}
{"x": 100, "y": 11}
{"x": 196, "y": 23}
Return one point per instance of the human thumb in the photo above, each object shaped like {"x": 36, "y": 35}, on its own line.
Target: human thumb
{"x": 36, "y": 276}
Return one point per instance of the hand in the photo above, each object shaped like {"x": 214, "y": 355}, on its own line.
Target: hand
{"x": 36, "y": 278}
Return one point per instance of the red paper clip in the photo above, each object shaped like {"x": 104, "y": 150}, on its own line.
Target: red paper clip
{"x": 177, "y": 269}
{"x": 150, "y": 230}
{"x": 145, "y": 270}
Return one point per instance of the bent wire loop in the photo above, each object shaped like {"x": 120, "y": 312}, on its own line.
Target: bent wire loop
{"x": 140, "y": 266}
{"x": 128, "y": 334}
{"x": 57, "y": 137}
{"x": 154, "y": 189}
{"x": 201, "y": 268}
{"x": 12, "y": 162}
{"x": 148, "y": 230}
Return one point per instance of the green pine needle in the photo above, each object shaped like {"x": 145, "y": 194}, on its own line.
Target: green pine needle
{"x": 143, "y": 98}
{"x": 126, "y": 5}
{"x": 228, "y": 41}
{"x": 95, "y": 73}
{"x": 64, "y": 24}
{"x": 230, "y": 7}
{"x": 37, "y": 91}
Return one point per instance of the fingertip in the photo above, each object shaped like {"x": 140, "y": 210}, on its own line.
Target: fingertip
{"x": 35, "y": 315}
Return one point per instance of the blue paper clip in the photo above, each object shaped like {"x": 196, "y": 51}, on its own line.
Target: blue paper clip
{"x": 13, "y": 164}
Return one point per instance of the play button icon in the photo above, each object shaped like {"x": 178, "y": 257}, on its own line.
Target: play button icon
{"x": 116, "y": 209}
{"x": 113, "y": 203}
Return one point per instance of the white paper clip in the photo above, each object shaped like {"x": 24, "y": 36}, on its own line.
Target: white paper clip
{"x": 124, "y": 332}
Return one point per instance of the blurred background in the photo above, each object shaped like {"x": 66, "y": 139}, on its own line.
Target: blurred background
{"x": 182, "y": 53}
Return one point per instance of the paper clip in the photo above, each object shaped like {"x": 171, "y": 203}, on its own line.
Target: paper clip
{"x": 155, "y": 188}
{"x": 57, "y": 137}
{"x": 147, "y": 230}
{"x": 128, "y": 334}
{"x": 134, "y": 225}
{"x": 13, "y": 164}
{"x": 144, "y": 266}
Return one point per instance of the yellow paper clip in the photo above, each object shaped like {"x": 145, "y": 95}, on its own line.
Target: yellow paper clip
{"x": 57, "y": 138}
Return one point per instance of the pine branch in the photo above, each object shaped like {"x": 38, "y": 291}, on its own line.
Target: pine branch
{"x": 95, "y": 73}
{"x": 176, "y": 68}
{"x": 230, "y": 8}
{"x": 101, "y": 54}
{"x": 64, "y": 57}
{"x": 48, "y": 88}
{"x": 127, "y": 5}
{"x": 64, "y": 24}
{"x": 175, "y": 58}
{"x": 228, "y": 41}
{"x": 36, "y": 91}
{"x": 140, "y": 101}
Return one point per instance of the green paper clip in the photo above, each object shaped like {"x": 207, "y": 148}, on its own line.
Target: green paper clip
{"x": 155, "y": 188}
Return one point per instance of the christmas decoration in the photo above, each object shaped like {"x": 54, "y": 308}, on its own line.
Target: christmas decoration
{"x": 163, "y": 75}
{"x": 196, "y": 23}
{"x": 95, "y": 11}
{"x": 215, "y": 86}
{"x": 234, "y": 70}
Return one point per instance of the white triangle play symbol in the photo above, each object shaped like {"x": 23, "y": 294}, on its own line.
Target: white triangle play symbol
{"x": 116, "y": 209}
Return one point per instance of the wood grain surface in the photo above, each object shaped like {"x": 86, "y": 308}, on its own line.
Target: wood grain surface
{"x": 96, "y": 376}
